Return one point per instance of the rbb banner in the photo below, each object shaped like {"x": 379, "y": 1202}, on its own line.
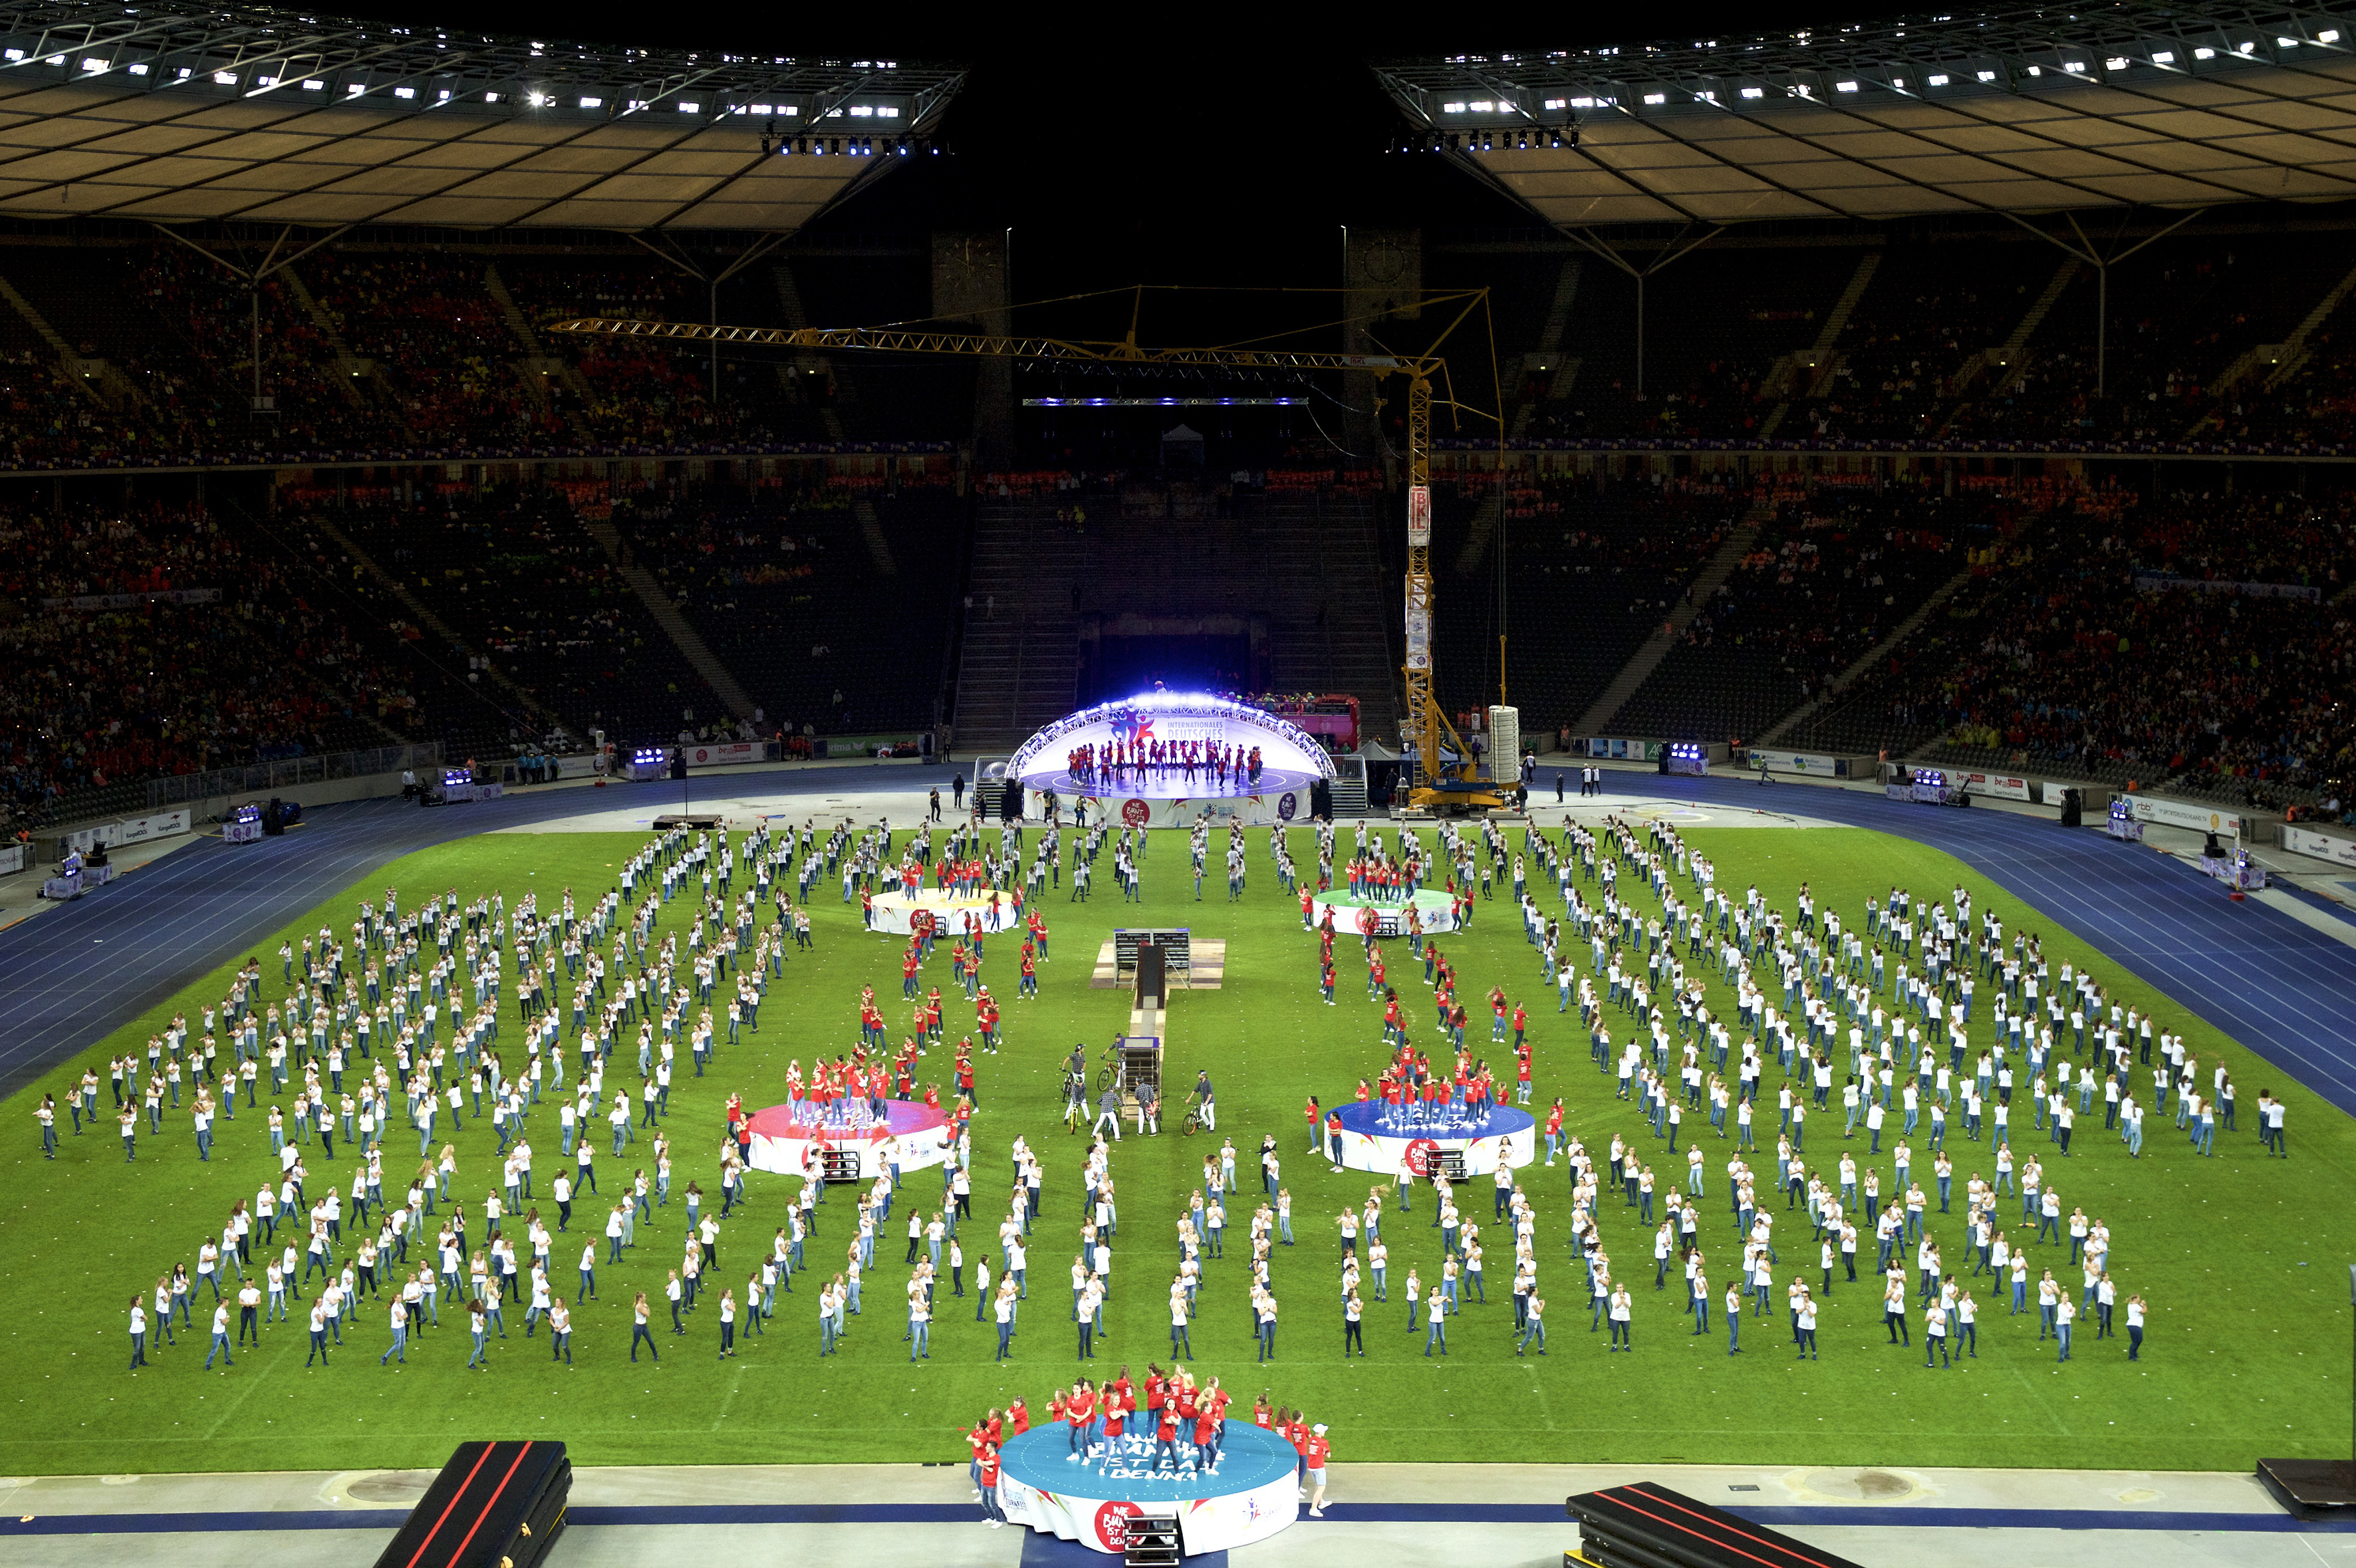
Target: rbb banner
{"x": 723, "y": 753}
{"x": 2183, "y": 814}
{"x": 1998, "y": 785}
{"x": 2297, "y": 839}
{"x": 132, "y": 829}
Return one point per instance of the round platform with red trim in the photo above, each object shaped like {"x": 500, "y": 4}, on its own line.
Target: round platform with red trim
{"x": 995, "y": 911}
{"x": 1351, "y": 912}
{"x": 1387, "y": 1138}
{"x": 1250, "y": 1495}
{"x": 785, "y": 1136}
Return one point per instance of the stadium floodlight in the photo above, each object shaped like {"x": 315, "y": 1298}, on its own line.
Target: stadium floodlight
{"x": 1939, "y": 81}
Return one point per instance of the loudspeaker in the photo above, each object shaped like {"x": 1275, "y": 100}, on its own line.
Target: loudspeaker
{"x": 2073, "y": 808}
{"x": 1321, "y": 799}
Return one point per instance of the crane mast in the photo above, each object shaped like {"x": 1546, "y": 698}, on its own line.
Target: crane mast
{"x": 1442, "y": 785}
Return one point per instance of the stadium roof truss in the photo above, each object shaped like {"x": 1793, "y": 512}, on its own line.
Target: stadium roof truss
{"x": 176, "y": 115}
{"x": 2003, "y": 112}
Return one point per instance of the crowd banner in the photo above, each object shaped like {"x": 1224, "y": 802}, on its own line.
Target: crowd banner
{"x": 2183, "y": 814}
{"x": 2333, "y": 847}
{"x": 12, "y": 859}
{"x": 126, "y": 601}
{"x": 1996, "y": 786}
{"x": 130, "y": 830}
{"x": 2154, "y": 583}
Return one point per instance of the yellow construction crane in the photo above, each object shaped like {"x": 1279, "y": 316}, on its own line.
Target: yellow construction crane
{"x": 1441, "y": 784}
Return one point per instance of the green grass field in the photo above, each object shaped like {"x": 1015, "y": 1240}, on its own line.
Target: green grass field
{"x": 2242, "y": 1258}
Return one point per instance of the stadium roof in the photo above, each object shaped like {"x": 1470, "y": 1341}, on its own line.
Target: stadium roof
{"x": 2014, "y": 112}
{"x": 179, "y": 114}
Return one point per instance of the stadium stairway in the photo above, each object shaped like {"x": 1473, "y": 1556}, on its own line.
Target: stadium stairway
{"x": 2010, "y": 359}
{"x": 350, "y": 369}
{"x": 1814, "y": 367}
{"x": 443, "y": 631}
{"x": 2278, "y": 361}
{"x": 1329, "y": 620}
{"x": 68, "y": 361}
{"x": 1308, "y": 566}
{"x": 1021, "y": 633}
{"x": 683, "y": 636}
{"x": 1655, "y": 648}
{"x": 1865, "y": 661}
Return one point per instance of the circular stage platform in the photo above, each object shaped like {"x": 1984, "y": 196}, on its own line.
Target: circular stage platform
{"x": 1437, "y": 910}
{"x": 783, "y": 1135}
{"x": 896, "y": 911}
{"x": 1251, "y": 1494}
{"x": 1375, "y": 1137}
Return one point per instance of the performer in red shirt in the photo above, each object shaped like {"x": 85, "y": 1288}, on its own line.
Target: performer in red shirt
{"x": 988, "y": 1476}
{"x": 1314, "y": 1451}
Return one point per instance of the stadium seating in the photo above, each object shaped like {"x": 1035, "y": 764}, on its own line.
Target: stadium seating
{"x": 785, "y": 588}
{"x": 1826, "y": 579}
{"x": 1597, "y": 566}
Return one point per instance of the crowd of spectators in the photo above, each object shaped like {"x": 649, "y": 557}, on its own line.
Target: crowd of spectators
{"x": 2089, "y": 649}
{"x": 533, "y": 602}
{"x": 189, "y": 650}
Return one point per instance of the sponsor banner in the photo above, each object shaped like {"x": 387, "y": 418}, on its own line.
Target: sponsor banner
{"x": 2183, "y": 814}
{"x": 12, "y": 859}
{"x": 1249, "y": 811}
{"x": 2000, "y": 786}
{"x": 126, "y": 601}
{"x": 2333, "y": 847}
{"x": 132, "y": 829}
{"x": 723, "y": 753}
{"x": 1795, "y": 762}
{"x": 1619, "y": 748}
{"x": 1419, "y": 515}
{"x": 2153, "y": 582}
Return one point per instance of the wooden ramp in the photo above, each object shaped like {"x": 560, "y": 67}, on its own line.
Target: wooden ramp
{"x": 1207, "y": 972}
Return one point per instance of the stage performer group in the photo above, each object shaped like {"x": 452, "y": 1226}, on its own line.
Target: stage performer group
{"x": 1118, "y": 762}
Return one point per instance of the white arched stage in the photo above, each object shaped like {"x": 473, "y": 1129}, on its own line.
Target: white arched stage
{"x": 1168, "y": 794}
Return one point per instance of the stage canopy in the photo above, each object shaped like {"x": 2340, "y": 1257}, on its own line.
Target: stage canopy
{"x": 1290, "y": 759}
{"x": 180, "y": 114}
{"x": 1997, "y": 111}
